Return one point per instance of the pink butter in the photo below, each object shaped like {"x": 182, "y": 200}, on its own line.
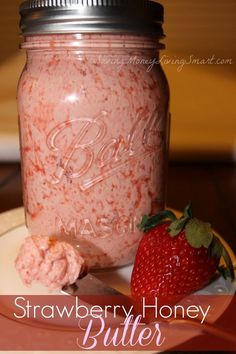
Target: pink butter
{"x": 48, "y": 261}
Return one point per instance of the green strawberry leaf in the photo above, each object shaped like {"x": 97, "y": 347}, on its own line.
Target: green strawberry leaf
{"x": 216, "y": 248}
{"x": 177, "y": 226}
{"x": 188, "y": 211}
{"x": 149, "y": 222}
{"x": 144, "y": 222}
{"x": 228, "y": 262}
{"x": 198, "y": 234}
{"x": 225, "y": 272}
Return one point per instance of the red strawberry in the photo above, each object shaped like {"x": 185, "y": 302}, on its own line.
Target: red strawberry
{"x": 176, "y": 257}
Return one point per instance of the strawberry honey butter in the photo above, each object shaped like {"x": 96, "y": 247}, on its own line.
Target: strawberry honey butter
{"x": 93, "y": 114}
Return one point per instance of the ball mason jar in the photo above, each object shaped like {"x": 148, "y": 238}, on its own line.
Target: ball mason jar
{"x": 94, "y": 124}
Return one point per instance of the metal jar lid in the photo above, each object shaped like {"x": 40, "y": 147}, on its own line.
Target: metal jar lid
{"x": 91, "y": 16}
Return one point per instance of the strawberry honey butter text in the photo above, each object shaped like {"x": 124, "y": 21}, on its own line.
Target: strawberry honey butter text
{"x": 111, "y": 325}
{"x": 94, "y": 142}
{"x": 78, "y": 310}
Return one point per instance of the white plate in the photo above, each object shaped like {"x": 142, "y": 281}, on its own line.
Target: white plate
{"x": 12, "y": 234}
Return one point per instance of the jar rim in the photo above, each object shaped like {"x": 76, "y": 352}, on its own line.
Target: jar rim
{"x": 92, "y": 41}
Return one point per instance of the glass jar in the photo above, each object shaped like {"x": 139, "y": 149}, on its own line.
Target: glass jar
{"x": 93, "y": 114}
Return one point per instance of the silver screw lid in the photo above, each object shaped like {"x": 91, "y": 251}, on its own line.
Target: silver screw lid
{"x": 91, "y": 16}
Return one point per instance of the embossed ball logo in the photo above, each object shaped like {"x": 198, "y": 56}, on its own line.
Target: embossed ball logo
{"x": 93, "y": 155}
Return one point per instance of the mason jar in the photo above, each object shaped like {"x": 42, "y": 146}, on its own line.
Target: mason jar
{"x": 94, "y": 124}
